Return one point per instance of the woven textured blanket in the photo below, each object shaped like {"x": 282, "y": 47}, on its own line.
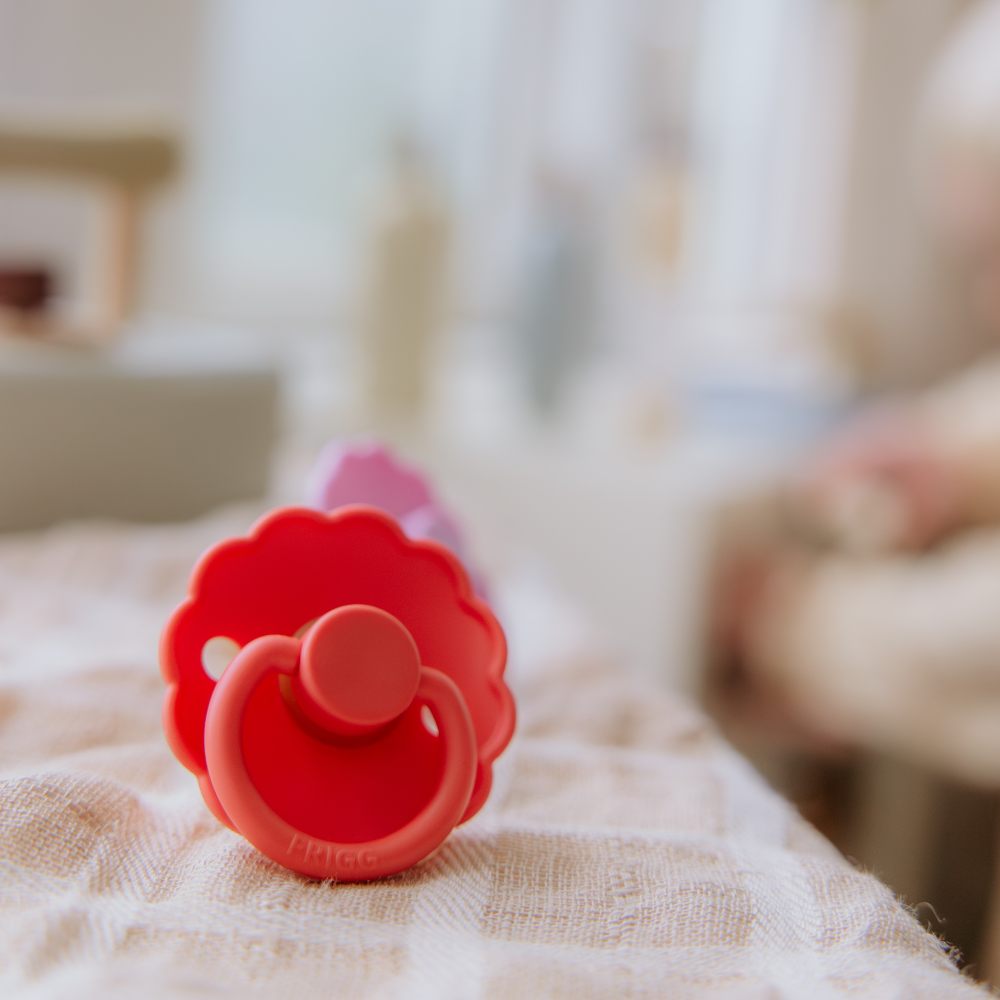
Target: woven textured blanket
{"x": 625, "y": 851}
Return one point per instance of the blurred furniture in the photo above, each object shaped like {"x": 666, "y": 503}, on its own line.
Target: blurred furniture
{"x": 140, "y": 430}
{"x": 126, "y": 163}
{"x": 624, "y": 514}
{"x": 627, "y": 531}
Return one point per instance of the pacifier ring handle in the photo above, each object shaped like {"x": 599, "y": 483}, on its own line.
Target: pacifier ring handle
{"x": 304, "y": 851}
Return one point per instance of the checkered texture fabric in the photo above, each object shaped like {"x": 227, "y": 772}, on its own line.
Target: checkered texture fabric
{"x": 626, "y": 851}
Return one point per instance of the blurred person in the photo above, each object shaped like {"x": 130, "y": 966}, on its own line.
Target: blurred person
{"x": 877, "y": 619}
{"x": 881, "y": 621}
{"x": 406, "y": 288}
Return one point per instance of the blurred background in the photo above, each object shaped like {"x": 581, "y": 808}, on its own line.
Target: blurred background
{"x": 689, "y": 305}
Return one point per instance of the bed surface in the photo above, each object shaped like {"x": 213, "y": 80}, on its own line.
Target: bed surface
{"x": 626, "y": 850}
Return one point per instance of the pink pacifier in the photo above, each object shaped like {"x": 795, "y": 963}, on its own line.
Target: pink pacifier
{"x": 369, "y": 473}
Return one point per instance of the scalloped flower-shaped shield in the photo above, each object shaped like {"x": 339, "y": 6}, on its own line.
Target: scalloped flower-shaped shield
{"x": 296, "y": 566}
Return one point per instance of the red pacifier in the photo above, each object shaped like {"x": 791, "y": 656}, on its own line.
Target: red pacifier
{"x": 359, "y": 721}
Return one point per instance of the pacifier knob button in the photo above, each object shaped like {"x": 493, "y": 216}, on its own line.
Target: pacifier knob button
{"x": 359, "y": 667}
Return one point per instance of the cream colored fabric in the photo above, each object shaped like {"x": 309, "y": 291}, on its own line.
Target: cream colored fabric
{"x": 626, "y": 850}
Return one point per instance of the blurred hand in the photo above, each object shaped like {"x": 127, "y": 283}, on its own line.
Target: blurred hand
{"x": 881, "y": 484}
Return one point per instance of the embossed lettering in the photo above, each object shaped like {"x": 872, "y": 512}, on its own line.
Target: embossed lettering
{"x": 331, "y": 858}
